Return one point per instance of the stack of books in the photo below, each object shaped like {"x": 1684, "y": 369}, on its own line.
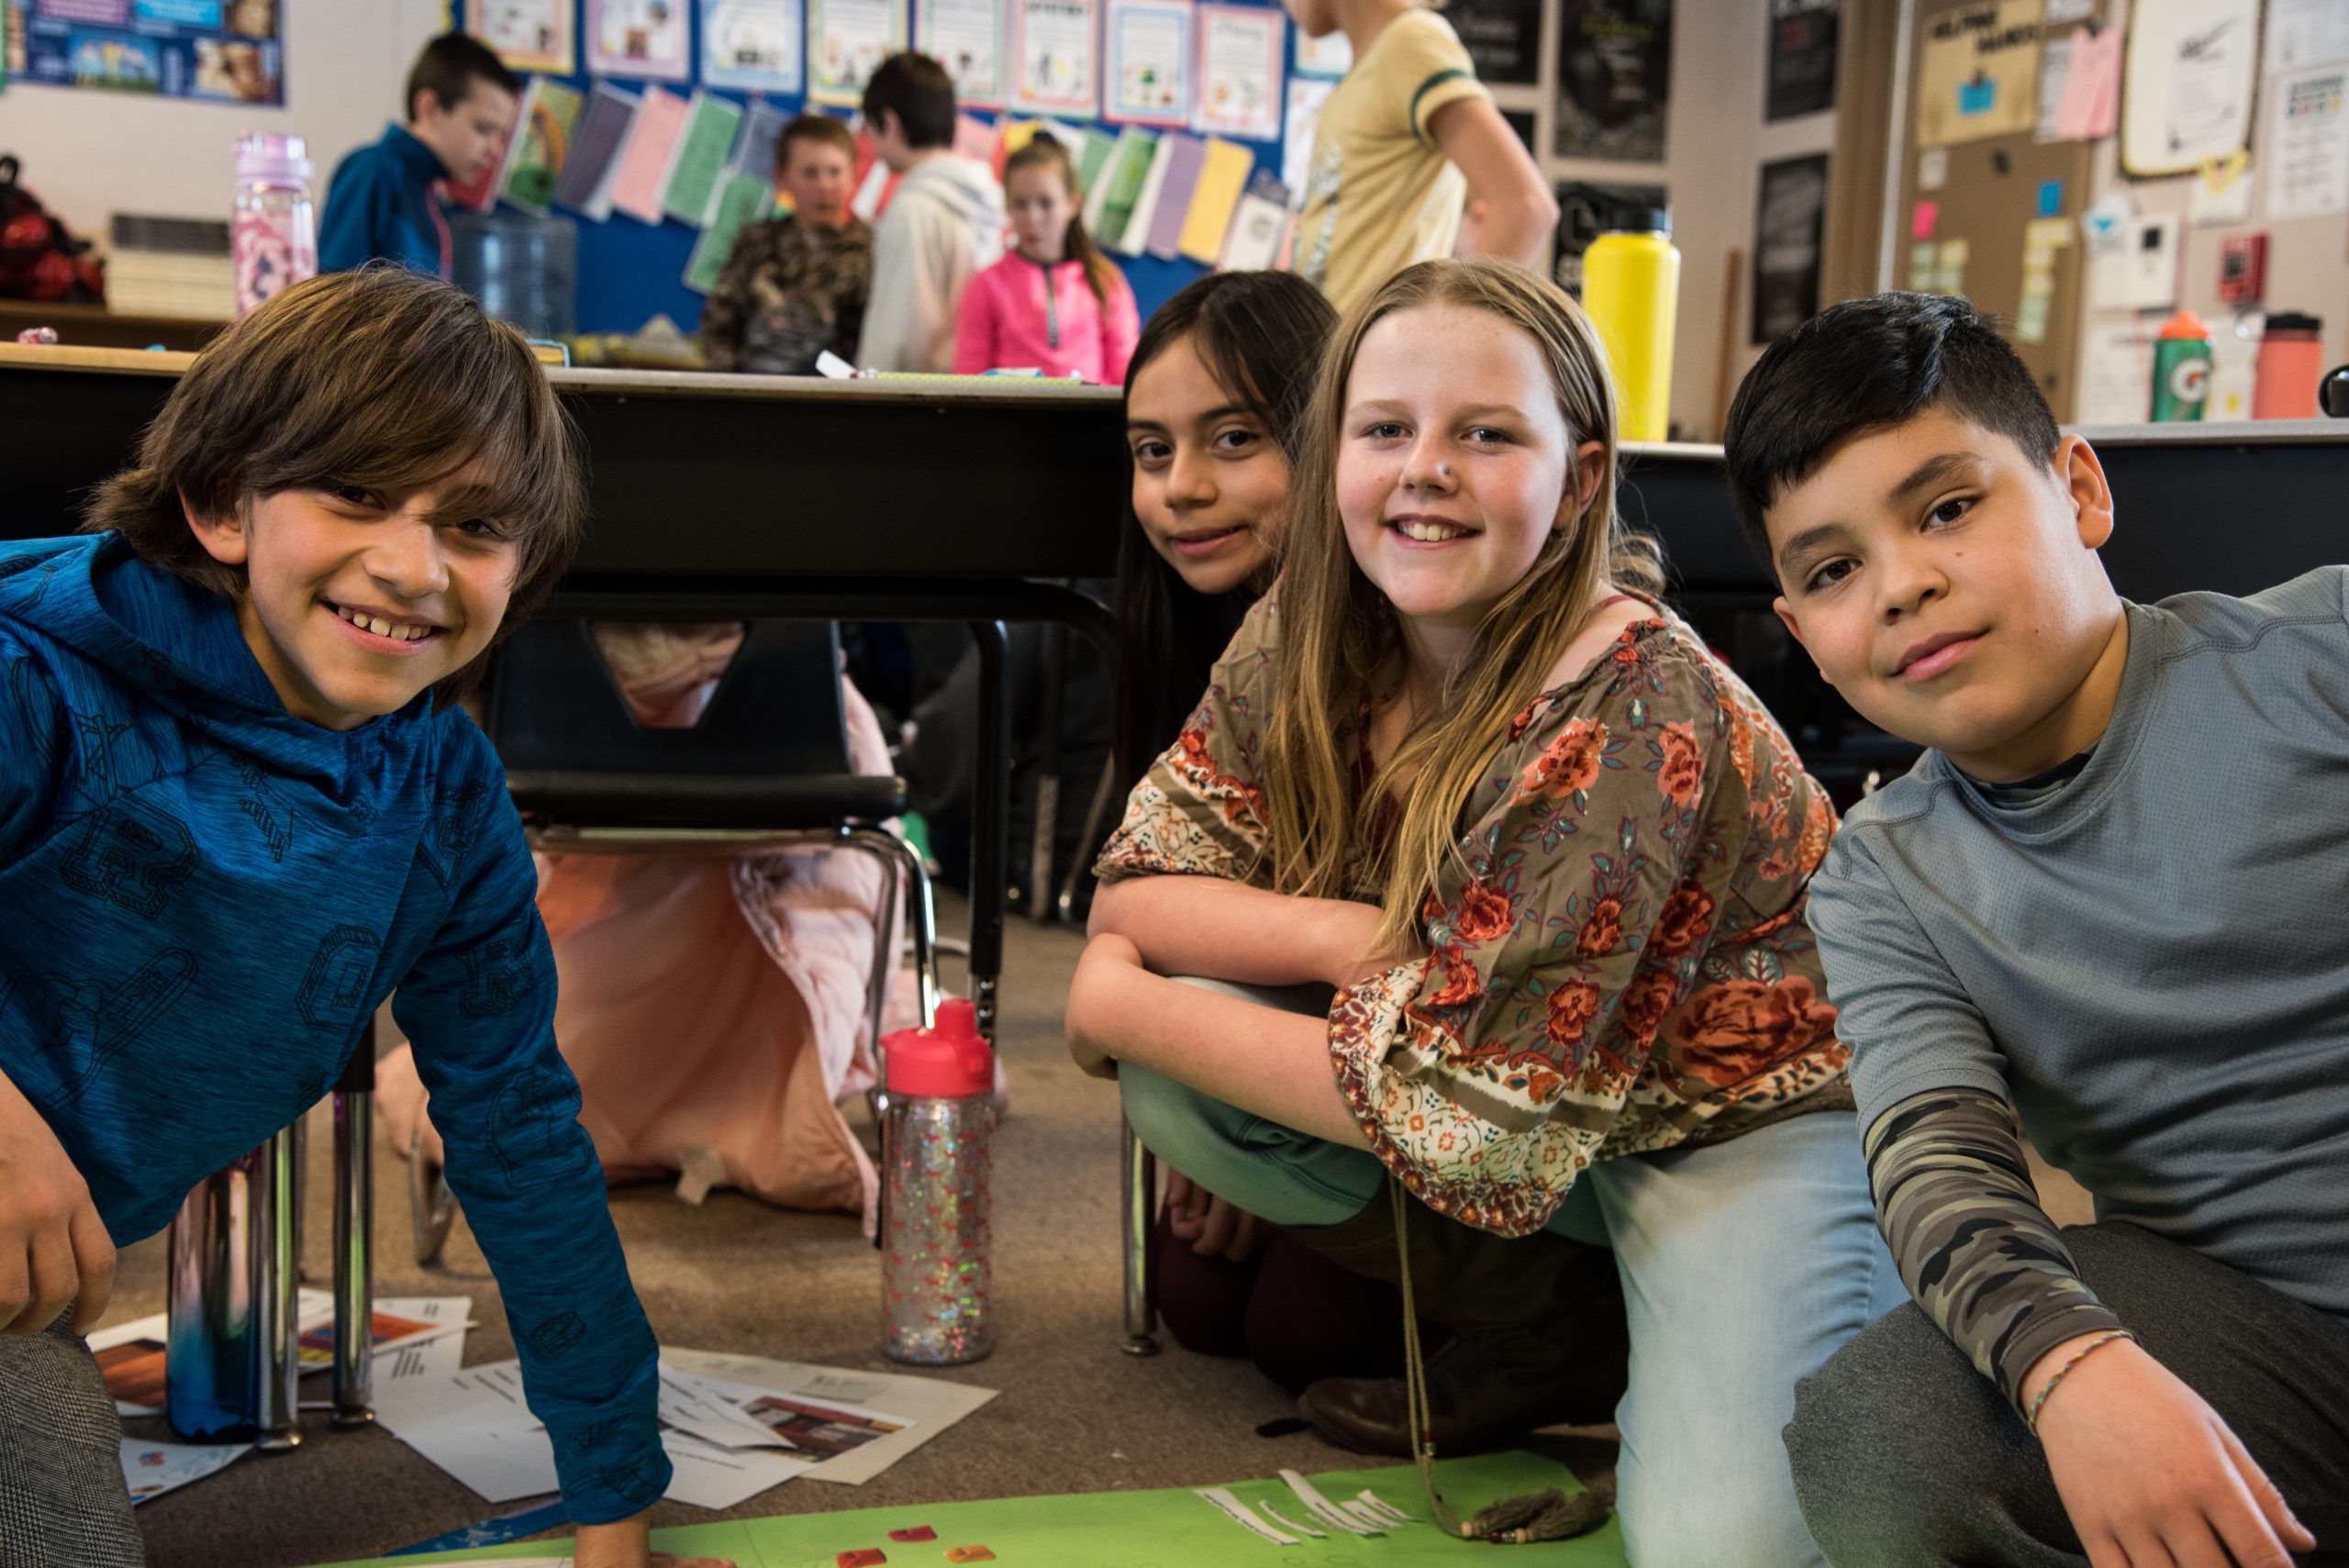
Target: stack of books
{"x": 170, "y": 266}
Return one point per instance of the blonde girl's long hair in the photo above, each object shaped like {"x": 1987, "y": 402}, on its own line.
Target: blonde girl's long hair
{"x": 1327, "y": 827}
{"x": 1044, "y": 151}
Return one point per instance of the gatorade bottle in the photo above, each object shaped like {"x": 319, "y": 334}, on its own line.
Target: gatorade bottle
{"x": 934, "y": 1216}
{"x": 1630, "y": 287}
{"x": 2181, "y": 368}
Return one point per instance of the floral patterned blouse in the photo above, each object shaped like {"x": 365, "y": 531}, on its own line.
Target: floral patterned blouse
{"x": 1615, "y": 962}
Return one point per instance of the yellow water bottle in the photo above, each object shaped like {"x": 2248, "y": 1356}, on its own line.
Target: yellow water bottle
{"x": 1630, "y": 287}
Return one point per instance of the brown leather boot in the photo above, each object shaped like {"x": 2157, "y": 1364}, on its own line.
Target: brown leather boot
{"x": 1540, "y": 1337}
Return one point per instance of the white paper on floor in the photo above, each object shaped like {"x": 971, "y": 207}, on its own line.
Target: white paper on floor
{"x": 922, "y": 1406}
{"x": 714, "y": 1477}
{"x": 692, "y": 1405}
{"x": 150, "y": 1470}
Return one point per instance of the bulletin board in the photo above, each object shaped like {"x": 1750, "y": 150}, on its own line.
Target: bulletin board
{"x": 630, "y": 270}
{"x": 1983, "y": 194}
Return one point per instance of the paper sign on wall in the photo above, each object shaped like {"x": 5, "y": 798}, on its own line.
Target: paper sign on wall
{"x": 2307, "y": 145}
{"x": 1149, "y": 62}
{"x": 966, "y": 36}
{"x": 752, "y": 46}
{"x": 638, "y": 38}
{"x": 2187, "y": 89}
{"x": 1056, "y": 57}
{"x": 846, "y": 40}
{"x": 1979, "y": 74}
{"x": 1240, "y": 71}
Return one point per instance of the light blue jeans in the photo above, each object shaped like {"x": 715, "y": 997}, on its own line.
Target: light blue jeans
{"x": 1746, "y": 1264}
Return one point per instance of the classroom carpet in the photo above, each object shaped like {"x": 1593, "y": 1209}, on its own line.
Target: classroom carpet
{"x": 1077, "y": 1414}
{"x": 1167, "y": 1527}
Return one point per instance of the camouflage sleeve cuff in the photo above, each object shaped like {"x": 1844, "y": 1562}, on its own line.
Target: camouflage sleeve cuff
{"x": 1954, "y": 1196}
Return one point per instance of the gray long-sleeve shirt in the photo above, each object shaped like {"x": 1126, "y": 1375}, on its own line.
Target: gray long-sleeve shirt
{"x": 2153, "y": 962}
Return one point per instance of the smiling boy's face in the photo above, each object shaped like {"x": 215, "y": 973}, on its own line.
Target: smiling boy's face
{"x": 356, "y": 602}
{"x": 1947, "y": 583}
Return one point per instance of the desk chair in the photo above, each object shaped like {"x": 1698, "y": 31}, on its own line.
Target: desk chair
{"x": 766, "y": 768}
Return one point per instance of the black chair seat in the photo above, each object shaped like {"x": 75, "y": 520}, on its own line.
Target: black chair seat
{"x": 767, "y": 803}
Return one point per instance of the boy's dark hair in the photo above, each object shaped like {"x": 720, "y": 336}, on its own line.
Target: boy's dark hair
{"x": 382, "y": 379}
{"x": 813, "y": 127}
{"x": 916, "y": 89}
{"x": 450, "y": 66}
{"x": 1860, "y": 366}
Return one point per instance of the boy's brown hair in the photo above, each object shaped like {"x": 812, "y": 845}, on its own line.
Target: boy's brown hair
{"x": 814, "y": 126}
{"x": 449, "y": 67}
{"x": 382, "y": 379}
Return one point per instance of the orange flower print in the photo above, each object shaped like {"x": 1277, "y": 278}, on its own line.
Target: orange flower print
{"x": 1646, "y": 1000}
{"x": 1462, "y": 983}
{"x": 1486, "y": 913}
{"x": 1742, "y": 1028}
{"x": 1572, "y": 1007}
{"x": 1568, "y": 763}
{"x": 1741, "y": 744}
{"x": 1687, "y": 920}
{"x": 1603, "y": 931}
{"x": 1682, "y": 777}
{"x": 1818, "y": 826}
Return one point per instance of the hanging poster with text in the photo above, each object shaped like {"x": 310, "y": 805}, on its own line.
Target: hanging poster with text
{"x": 966, "y": 36}
{"x": 1790, "y": 223}
{"x": 847, "y": 41}
{"x": 1240, "y": 71}
{"x": 2187, "y": 83}
{"x": 1614, "y": 79}
{"x": 528, "y": 35}
{"x": 1055, "y": 48}
{"x": 1977, "y": 72}
{"x": 171, "y": 49}
{"x": 1503, "y": 38}
{"x": 1331, "y": 54}
{"x": 752, "y": 46}
{"x": 2307, "y": 152}
{"x": 1149, "y": 62}
{"x": 643, "y": 38}
{"x": 1802, "y": 58}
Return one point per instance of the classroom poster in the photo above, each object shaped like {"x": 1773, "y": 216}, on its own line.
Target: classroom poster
{"x": 846, "y": 40}
{"x": 1789, "y": 227}
{"x": 528, "y": 35}
{"x": 752, "y": 46}
{"x": 699, "y": 165}
{"x": 1977, "y": 72}
{"x": 605, "y": 124}
{"x": 535, "y": 151}
{"x": 643, "y": 169}
{"x": 1614, "y": 79}
{"x": 1802, "y": 58}
{"x": 2188, "y": 83}
{"x": 2306, "y": 154}
{"x": 643, "y": 38}
{"x": 1307, "y": 95}
{"x": 966, "y": 36}
{"x": 2301, "y": 33}
{"x": 1240, "y": 71}
{"x": 1503, "y": 38}
{"x": 1055, "y": 51}
{"x": 754, "y": 148}
{"x": 223, "y": 51}
{"x": 1330, "y": 55}
{"x": 1149, "y": 80}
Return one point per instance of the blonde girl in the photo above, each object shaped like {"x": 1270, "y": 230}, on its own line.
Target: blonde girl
{"x": 1054, "y": 302}
{"x": 1463, "y": 768}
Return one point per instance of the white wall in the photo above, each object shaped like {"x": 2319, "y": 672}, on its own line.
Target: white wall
{"x": 89, "y": 155}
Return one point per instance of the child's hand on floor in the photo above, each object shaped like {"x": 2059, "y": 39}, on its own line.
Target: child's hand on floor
{"x": 54, "y": 1249}
{"x": 2149, "y": 1474}
{"x": 1213, "y": 1227}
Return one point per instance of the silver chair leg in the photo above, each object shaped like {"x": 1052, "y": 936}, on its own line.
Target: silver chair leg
{"x": 901, "y": 871}
{"x": 354, "y": 1276}
{"x": 1088, "y": 841}
{"x": 1138, "y": 1168}
{"x": 276, "y": 1250}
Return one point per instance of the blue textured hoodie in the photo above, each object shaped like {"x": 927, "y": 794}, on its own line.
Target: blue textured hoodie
{"x": 204, "y": 900}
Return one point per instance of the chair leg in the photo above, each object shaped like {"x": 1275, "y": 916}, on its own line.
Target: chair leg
{"x": 1087, "y": 842}
{"x": 901, "y": 870}
{"x": 276, "y": 1242}
{"x": 1138, "y": 1168}
{"x": 354, "y": 1219}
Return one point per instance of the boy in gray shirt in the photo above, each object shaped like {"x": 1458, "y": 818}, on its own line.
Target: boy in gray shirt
{"x": 2111, "y": 901}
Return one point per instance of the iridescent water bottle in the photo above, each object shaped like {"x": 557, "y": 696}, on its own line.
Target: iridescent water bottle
{"x": 935, "y": 1177}
{"x": 273, "y": 234}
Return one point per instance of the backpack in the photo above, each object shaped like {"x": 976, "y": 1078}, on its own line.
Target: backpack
{"x": 38, "y": 258}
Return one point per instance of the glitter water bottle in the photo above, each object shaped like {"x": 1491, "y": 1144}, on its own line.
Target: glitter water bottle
{"x": 273, "y": 234}
{"x": 934, "y": 1207}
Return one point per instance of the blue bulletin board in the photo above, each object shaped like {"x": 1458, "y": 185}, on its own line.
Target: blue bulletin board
{"x": 630, "y": 271}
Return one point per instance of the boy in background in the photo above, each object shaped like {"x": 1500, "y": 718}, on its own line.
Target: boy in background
{"x": 944, "y": 223}
{"x": 239, "y": 807}
{"x": 384, "y": 200}
{"x": 2108, "y": 905}
{"x": 794, "y": 286}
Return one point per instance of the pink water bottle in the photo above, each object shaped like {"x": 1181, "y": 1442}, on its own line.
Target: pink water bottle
{"x": 935, "y": 1199}
{"x": 273, "y": 233}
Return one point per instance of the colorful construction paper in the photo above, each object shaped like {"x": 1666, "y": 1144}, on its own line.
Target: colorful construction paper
{"x": 536, "y": 152}
{"x": 585, "y": 184}
{"x": 1222, "y": 177}
{"x": 701, "y": 158}
{"x": 1186, "y": 158}
{"x": 643, "y": 171}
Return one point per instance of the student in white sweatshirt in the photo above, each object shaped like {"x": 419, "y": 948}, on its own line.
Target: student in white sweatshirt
{"x": 944, "y": 223}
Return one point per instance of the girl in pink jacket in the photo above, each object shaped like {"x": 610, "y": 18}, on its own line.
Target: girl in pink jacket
{"x": 1053, "y": 302}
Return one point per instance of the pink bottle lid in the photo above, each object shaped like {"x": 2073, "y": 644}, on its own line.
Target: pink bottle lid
{"x": 945, "y": 1061}
{"x": 273, "y": 155}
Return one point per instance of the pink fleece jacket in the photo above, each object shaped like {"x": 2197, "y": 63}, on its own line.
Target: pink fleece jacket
{"x": 1019, "y": 313}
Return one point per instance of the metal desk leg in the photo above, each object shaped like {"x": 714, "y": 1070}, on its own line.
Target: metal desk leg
{"x": 276, "y": 1233}
{"x": 1139, "y": 1170}
{"x": 1042, "y": 840}
{"x": 990, "y": 821}
{"x": 355, "y": 1218}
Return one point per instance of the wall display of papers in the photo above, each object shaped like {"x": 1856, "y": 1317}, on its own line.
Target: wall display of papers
{"x": 1802, "y": 58}
{"x": 1056, "y": 56}
{"x": 220, "y": 50}
{"x": 2187, "y": 84}
{"x": 846, "y": 40}
{"x": 528, "y": 35}
{"x": 1977, "y": 75}
{"x": 645, "y": 39}
{"x": 1149, "y": 80}
{"x": 752, "y": 46}
{"x": 1614, "y": 79}
{"x": 536, "y": 152}
{"x": 1240, "y": 71}
{"x": 1331, "y": 54}
{"x": 966, "y": 36}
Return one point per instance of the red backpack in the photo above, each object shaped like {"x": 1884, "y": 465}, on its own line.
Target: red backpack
{"x": 38, "y": 259}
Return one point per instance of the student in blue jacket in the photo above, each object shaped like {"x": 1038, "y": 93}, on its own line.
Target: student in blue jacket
{"x": 385, "y": 201}
{"x": 239, "y": 807}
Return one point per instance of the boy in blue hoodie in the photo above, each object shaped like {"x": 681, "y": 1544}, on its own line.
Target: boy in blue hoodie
{"x": 385, "y": 202}
{"x": 238, "y": 807}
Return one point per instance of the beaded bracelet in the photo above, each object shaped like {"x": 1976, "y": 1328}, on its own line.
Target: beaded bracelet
{"x": 2031, "y": 1418}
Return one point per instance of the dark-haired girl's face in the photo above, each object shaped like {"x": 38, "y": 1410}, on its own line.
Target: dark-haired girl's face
{"x": 1210, "y": 480}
